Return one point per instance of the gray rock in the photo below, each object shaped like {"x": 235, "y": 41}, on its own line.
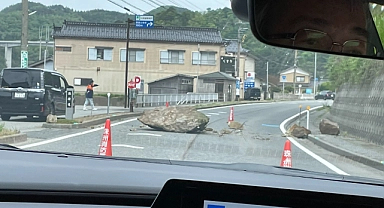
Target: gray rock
{"x": 175, "y": 119}
{"x": 299, "y": 131}
{"x": 235, "y": 125}
{"x": 328, "y": 127}
{"x": 51, "y": 118}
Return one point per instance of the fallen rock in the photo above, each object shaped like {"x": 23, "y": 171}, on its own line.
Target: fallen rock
{"x": 51, "y": 118}
{"x": 175, "y": 119}
{"x": 298, "y": 131}
{"x": 225, "y": 131}
{"x": 208, "y": 129}
{"x": 328, "y": 127}
{"x": 235, "y": 125}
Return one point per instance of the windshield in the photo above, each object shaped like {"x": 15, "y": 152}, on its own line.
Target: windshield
{"x": 193, "y": 85}
{"x": 20, "y": 78}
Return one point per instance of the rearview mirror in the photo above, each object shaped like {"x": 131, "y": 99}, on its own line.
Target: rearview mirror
{"x": 344, "y": 27}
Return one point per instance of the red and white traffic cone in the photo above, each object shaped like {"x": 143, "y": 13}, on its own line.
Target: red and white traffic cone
{"x": 106, "y": 140}
{"x": 286, "y": 159}
{"x": 231, "y": 115}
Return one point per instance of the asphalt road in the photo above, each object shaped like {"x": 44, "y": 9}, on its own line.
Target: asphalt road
{"x": 261, "y": 141}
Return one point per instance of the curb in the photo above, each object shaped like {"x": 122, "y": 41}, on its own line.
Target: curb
{"x": 353, "y": 156}
{"x": 87, "y": 124}
{"x": 15, "y": 138}
{"x": 340, "y": 151}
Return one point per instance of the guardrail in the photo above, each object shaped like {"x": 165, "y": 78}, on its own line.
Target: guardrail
{"x": 145, "y": 100}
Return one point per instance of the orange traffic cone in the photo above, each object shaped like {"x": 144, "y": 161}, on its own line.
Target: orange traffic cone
{"x": 286, "y": 160}
{"x": 166, "y": 104}
{"x": 231, "y": 115}
{"x": 106, "y": 143}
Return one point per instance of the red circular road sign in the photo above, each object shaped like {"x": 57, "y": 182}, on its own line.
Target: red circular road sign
{"x": 131, "y": 84}
{"x": 137, "y": 80}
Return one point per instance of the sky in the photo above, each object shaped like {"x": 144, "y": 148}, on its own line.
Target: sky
{"x": 141, "y": 5}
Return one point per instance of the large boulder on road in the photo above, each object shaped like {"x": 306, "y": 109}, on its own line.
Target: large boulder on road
{"x": 175, "y": 119}
{"x": 298, "y": 131}
{"x": 328, "y": 127}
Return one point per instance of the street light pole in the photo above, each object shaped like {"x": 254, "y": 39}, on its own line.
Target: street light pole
{"x": 24, "y": 35}
{"x": 314, "y": 80}
{"x": 294, "y": 73}
{"x": 267, "y": 81}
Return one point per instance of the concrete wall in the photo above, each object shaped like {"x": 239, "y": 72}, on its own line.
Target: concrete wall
{"x": 286, "y": 96}
{"x": 359, "y": 110}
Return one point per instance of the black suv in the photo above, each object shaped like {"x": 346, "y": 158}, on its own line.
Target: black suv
{"x": 32, "y": 92}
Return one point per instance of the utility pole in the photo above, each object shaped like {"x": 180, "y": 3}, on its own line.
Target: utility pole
{"x": 40, "y": 37}
{"x": 24, "y": 35}
{"x": 198, "y": 70}
{"x": 314, "y": 80}
{"x": 294, "y": 73}
{"x": 267, "y": 81}
{"x": 237, "y": 69}
{"x": 127, "y": 96}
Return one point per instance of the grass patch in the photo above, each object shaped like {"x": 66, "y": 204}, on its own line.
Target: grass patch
{"x": 6, "y": 132}
{"x": 66, "y": 121}
{"x": 326, "y": 107}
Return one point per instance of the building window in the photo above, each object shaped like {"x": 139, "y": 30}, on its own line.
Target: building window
{"x": 134, "y": 55}
{"x": 205, "y": 58}
{"x": 186, "y": 81}
{"x": 63, "y": 48}
{"x": 172, "y": 57}
{"x": 300, "y": 79}
{"x": 100, "y": 54}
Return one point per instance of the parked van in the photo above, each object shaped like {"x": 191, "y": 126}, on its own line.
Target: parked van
{"x": 252, "y": 94}
{"x": 32, "y": 92}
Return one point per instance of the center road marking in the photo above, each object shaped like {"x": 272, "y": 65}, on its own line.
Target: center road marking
{"x": 309, "y": 152}
{"x": 214, "y": 114}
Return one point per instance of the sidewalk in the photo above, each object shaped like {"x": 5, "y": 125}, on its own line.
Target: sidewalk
{"x": 346, "y": 145}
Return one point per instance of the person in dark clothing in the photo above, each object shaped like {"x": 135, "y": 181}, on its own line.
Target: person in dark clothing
{"x": 89, "y": 95}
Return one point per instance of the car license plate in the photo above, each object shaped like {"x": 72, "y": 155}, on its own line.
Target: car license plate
{"x": 19, "y": 94}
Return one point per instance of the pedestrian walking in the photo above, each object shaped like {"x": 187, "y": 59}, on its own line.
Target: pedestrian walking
{"x": 89, "y": 95}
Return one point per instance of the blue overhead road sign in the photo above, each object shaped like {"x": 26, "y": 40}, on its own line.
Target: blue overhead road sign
{"x": 144, "y": 21}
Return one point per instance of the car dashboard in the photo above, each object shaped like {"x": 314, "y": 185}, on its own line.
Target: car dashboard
{"x": 31, "y": 179}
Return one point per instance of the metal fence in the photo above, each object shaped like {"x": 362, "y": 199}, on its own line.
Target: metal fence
{"x": 145, "y": 100}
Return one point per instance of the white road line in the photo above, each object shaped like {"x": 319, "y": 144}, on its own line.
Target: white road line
{"x": 223, "y": 112}
{"x": 240, "y": 105}
{"x": 297, "y": 144}
{"x": 125, "y": 145}
{"x": 216, "y": 114}
{"x": 209, "y": 115}
{"x": 143, "y": 134}
{"x": 71, "y": 135}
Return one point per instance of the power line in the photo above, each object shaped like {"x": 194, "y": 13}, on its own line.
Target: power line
{"x": 151, "y": 4}
{"x": 177, "y": 4}
{"x": 194, "y": 5}
{"x": 133, "y": 6}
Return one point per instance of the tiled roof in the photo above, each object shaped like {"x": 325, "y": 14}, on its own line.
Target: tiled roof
{"x": 232, "y": 47}
{"x": 88, "y": 30}
{"x": 217, "y": 75}
{"x": 172, "y": 76}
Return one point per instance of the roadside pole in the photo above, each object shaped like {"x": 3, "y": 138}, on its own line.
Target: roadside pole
{"x": 109, "y": 95}
{"x": 308, "y": 108}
